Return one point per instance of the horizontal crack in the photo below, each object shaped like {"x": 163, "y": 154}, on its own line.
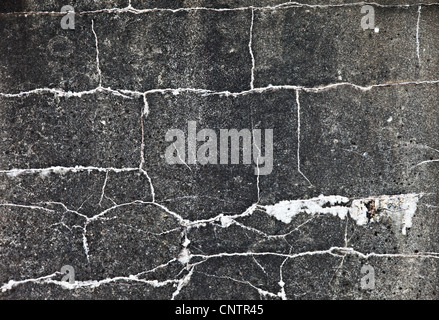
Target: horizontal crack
{"x": 130, "y": 93}
{"x": 63, "y": 170}
{"x": 286, "y": 5}
{"x": 333, "y": 251}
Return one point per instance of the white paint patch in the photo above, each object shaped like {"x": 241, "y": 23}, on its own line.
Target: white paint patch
{"x": 398, "y": 208}
{"x": 186, "y": 243}
{"x": 285, "y": 211}
{"x": 226, "y": 221}
{"x": 185, "y": 256}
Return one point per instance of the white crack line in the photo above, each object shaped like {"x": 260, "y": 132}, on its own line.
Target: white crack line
{"x": 100, "y": 216}
{"x": 397, "y": 206}
{"x": 84, "y": 238}
{"x": 12, "y": 283}
{"x": 401, "y": 208}
{"x": 12, "y": 173}
{"x": 250, "y": 47}
{"x": 95, "y": 283}
{"x": 63, "y": 93}
{"x": 421, "y": 146}
{"x": 418, "y": 45}
{"x": 144, "y": 114}
{"x": 125, "y": 92}
{"x": 367, "y": 88}
{"x": 285, "y": 5}
{"x": 299, "y": 138}
{"x": 88, "y": 284}
{"x": 226, "y": 220}
{"x": 98, "y": 65}
{"x": 333, "y": 251}
{"x": 255, "y": 145}
{"x": 176, "y": 91}
{"x": 424, "y": 162}
{"x": 32, "y": 207}
{"x": 183, "y": 283}
{"x": 103, "y": 189}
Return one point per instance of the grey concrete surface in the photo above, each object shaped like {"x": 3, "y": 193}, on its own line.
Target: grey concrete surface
{"x": 85, "y": 181}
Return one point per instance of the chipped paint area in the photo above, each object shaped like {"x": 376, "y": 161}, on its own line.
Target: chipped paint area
{"x": 399, "y": 209}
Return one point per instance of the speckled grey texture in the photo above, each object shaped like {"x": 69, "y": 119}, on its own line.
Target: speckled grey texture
{"x": 84, "y": 181}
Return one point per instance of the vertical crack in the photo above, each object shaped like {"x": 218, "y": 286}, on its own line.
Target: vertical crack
{"x": 418, "y": 45}
{"x": 298, "y": 137}
{"x": 144, "y": 113}
{"x": 250, "y": 47}
{"x": 103, "y": 189}
{"x": 255, "y": 145}
{"x": 98, "y": 65}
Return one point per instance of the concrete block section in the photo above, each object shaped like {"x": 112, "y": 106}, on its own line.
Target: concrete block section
{"x": 318, "y": 46}
{"x": 278, "y": 110}
{"x": 157, "y": 234}
{"x": 29, "y": 251}
{"x": 359, "y": 143}
{"x": 46, "y": 130}
{"x": 36, "y": 53}
{"x": 428, "y": 41}
{"x": 196, "y": 49}
{"x": 200, "y": 191}
{"x": 89, "y": 192}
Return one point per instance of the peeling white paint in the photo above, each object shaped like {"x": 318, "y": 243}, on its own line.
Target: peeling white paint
{"x": 398, "y": 208}
{"x": 285, "y": 211}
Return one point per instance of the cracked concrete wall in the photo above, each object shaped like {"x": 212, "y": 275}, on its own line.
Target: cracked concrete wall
{"x": 85, "y": 183}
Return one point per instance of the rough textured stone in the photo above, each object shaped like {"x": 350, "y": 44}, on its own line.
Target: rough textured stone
{"x": 303, "y": 46}
{"x": 40, "y": 131}
{"x": 56, "y": 5}
{"x": 37, "y": 53}
{"x": 84, "y": 180}
{"x": 197, "y": 49}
